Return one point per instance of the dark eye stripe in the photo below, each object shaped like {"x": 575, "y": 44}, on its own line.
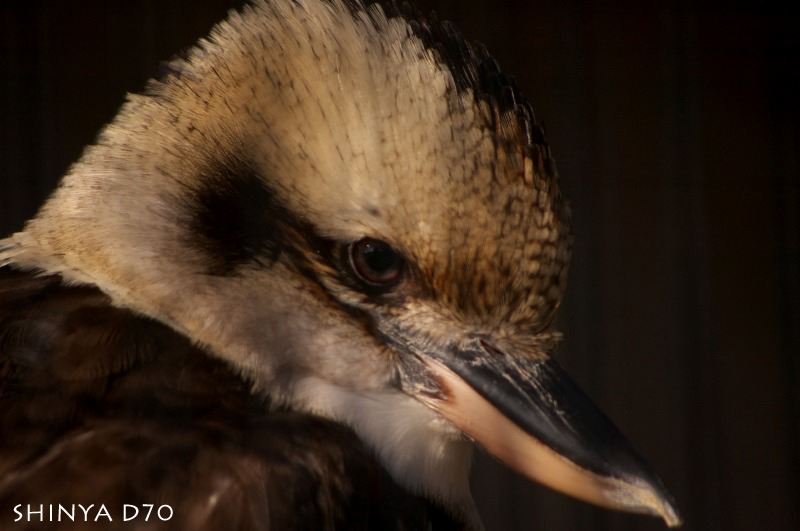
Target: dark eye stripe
{"x": 375, "y": 262}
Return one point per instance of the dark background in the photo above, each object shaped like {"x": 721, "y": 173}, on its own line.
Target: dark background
{"x": 676, "y": 127}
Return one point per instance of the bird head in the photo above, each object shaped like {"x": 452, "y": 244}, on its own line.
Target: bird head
{"x": 358, "y": 211}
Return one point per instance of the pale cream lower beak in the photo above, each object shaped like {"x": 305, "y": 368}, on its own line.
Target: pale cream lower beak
{"x": 532, "y": 417}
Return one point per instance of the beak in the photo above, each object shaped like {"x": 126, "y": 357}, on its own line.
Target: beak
{"x": 532, "y": 416}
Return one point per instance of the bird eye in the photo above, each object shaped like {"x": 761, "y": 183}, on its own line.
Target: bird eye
{"x": 375, "y": 262}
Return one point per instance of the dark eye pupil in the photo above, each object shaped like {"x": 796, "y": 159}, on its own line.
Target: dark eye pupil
{"x": 379, "y": 258}
{"x": 375, "y": 261}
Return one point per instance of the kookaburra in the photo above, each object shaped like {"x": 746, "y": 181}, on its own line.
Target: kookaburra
{"x": 291, "y": 285}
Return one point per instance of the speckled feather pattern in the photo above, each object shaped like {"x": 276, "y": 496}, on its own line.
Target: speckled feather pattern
{"x": 342, "y": 122}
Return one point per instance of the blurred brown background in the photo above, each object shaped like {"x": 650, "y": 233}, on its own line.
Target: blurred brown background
{"x": 676, "y": 127}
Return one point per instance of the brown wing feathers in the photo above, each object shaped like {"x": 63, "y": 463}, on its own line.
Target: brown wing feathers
{"x": 102, "y": 406}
